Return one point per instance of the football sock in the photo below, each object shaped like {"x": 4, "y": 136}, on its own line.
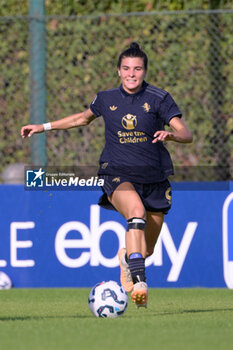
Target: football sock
{"x": 137, "y": 267}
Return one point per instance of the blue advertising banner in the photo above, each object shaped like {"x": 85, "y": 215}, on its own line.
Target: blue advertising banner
{"x": 64, "y": 239}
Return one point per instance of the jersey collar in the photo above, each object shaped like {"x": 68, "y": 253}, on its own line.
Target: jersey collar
{"x": 125, "y": 93}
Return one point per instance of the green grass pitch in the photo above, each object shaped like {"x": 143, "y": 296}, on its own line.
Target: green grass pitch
{"x": 54, "y": 319}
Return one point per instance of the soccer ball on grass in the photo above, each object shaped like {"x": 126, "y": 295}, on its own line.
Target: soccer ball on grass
{"x": 108, "y": 299}
{"x": 5, "y": 281}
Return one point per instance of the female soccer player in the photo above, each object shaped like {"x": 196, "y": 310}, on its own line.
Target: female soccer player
{"x": 134, "y": 164}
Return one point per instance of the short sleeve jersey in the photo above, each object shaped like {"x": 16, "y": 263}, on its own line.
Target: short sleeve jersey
{"x": 130, "y": 123}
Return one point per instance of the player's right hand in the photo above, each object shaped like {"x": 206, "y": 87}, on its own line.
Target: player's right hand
{"x": 29, "y": 130}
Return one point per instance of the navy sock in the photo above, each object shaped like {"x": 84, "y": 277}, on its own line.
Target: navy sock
{"x": 137, "y": 267}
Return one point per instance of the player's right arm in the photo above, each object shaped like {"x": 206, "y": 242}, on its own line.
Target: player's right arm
{"x": 72, "y": 121}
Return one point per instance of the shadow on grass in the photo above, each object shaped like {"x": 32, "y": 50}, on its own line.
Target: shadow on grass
{"x": 149, "y": 314}
{"x": 38, "y": 318}
{"x": 191, "y": 311}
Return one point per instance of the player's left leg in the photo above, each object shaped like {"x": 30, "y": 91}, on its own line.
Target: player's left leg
{"x": 153, "y": 227}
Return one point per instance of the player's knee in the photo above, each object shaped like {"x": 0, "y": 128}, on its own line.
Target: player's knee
{"x": 136, "y": 224}
{"x": 138, "y": 212}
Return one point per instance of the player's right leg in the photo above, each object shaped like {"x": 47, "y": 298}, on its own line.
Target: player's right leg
{"x": 139, "y": 294}
{"x": 153, "y": 227}
{"x": 127, "y": 201}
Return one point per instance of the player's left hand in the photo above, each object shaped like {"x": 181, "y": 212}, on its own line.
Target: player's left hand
{"x": 163, "y": 135}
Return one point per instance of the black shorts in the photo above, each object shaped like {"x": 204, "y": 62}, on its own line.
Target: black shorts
{"x": 156, "y": 197}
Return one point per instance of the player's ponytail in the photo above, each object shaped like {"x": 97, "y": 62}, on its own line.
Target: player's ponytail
{"x": 133, "y": 51}
{"x": 134, "y": 45}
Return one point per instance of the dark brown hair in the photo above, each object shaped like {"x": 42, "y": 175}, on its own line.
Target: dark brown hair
{"x": 133, "y": 51}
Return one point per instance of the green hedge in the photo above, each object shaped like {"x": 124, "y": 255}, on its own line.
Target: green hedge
{"x": 185, "y": 52}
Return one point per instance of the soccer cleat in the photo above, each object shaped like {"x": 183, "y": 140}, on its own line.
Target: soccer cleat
{"x": 126, "y": 279}
{"x": 139, "y": 294}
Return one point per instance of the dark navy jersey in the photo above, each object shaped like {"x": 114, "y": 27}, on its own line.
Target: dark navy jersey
{"x": 130, "y": 123}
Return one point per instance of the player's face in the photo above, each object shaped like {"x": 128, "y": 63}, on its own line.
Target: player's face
{"x": 132, "y": 73}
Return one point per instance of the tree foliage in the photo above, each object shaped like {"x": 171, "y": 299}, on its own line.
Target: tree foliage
{"x": 87, "y": 7}
{"x": 81, "y": 60}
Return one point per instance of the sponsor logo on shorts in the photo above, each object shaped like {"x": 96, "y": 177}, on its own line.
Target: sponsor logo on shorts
{"x": 168, "y": 195}
{"x": 116, "y": 179}
{"x": 104, "y": 165}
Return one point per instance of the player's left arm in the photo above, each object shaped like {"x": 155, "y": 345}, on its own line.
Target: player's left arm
{"x": 180, "y": 132}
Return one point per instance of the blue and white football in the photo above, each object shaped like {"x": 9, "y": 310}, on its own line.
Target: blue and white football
{"x": 5, "y": 281}
{"x": 108, "y": 299}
